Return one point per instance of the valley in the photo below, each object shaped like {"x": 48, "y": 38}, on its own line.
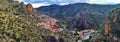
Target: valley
{"x": 78, "y": 22}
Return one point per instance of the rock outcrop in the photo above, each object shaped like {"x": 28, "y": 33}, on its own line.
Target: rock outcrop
{"x": 107, "y": 27}
{"x": 29, "y": 7}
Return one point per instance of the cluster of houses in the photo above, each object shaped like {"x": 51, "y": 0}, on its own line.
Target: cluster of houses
{"x": 49, "y": 24}
{"x": 84, "y": 34}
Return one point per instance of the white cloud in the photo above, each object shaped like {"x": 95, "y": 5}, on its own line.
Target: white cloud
{"x": 36, "y": 5}
{"x": 103, "y": 1}
{"x": 63, "y": 3}
{"x": 20, "y": 0}
{"x": 117, "y": 1}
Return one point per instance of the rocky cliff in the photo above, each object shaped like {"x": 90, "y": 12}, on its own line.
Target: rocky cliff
{"x": 112, "y": 25}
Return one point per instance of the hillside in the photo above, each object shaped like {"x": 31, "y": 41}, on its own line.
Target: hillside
{"x": 92, "y": 15}
{"x": 22, "y": 23}
{"x": 112, "y": 25}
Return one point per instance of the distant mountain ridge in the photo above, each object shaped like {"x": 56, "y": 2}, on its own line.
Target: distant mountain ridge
{"x": 78, "y": 6}
{"x": 94, "y": 14}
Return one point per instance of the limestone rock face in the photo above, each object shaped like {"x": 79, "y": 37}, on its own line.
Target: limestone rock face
{"x": 29, "y": 7}
{"x": 107, "y": 27}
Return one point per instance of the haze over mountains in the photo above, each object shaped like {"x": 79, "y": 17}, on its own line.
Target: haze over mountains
{"x": 80, "y": 14}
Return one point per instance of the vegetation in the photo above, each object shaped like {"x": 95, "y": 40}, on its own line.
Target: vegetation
{"x": 17, "y": 25}
{"x": 94, "y": 14}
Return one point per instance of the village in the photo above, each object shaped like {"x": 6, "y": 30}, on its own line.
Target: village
{"x": 84, "y": 34}
{"x": 79, "y": 35}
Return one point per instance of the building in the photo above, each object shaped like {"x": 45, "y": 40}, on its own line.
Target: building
{"x": 85, "y": 34}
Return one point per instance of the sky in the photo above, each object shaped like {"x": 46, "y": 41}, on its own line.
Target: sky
{"x": 39, "y": 3}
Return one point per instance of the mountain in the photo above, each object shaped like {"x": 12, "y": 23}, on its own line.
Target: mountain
{"x": 79, "y": 15}
{"x": 112, "y": 25}
{"x": 22, "y": 23}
